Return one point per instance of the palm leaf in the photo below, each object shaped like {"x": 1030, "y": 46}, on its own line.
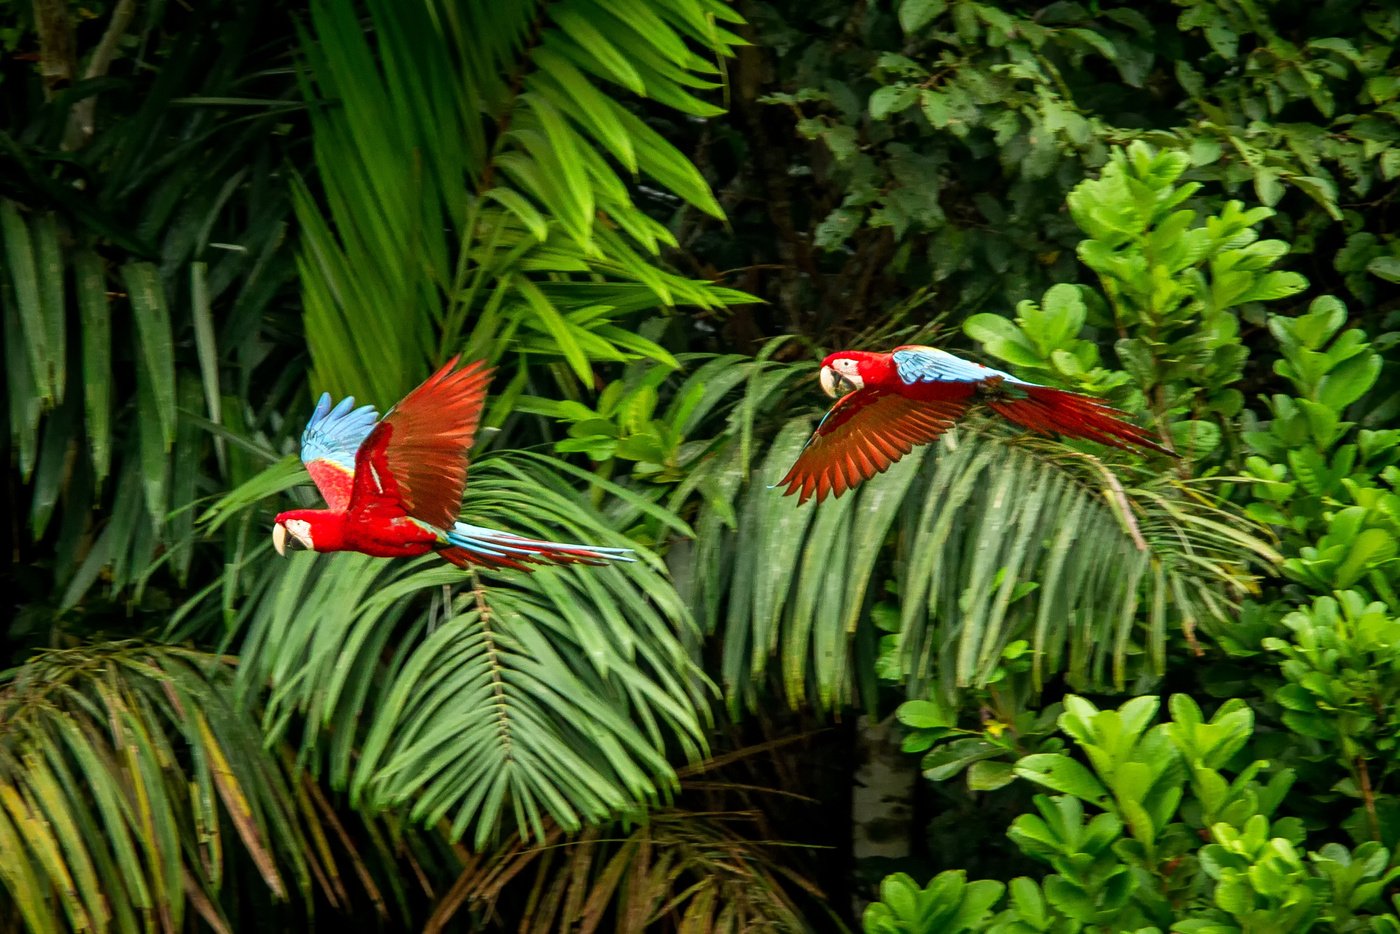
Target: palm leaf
{"x": 678, "y": 871}
{"x": 704, "y": 863}
{"x": 431, "y": 235}
{"x": 130, "y": 786}
{"x": 555, "y": 694}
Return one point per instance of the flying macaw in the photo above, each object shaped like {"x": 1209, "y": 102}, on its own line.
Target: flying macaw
{"x": 394, "y": 485}
{"x": 887, "y": 403}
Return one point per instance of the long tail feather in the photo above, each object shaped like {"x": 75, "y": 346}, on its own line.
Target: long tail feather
{"x": 473, "y": 544}
{"x": 1056, "y": 411}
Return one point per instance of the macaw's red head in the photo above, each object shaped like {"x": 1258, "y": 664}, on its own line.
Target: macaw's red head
{"x": 848, "y": 370}
{"x": 309, "y": 529}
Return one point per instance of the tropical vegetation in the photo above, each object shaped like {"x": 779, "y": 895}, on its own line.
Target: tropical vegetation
{"x": 1015, "y": 684}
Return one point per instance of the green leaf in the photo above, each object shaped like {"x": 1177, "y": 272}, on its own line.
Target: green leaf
{"x": 566, "y": 340}
{"x": 1062, "y": 774}
{"x": 891, "y": 99}
{"x": 922, "y": 714}
{"x": 914, "y": 15}
{"x": 1372, "y": 548}
{"x": 155, "y": 348}
{"x": 1195, "y": 439}
{"x": 1386, "y": 267}
{"x": 948, "y": 760}
{"x": 48, "y": 258}
{"x": 518, "y": 205}
{"x": 936, "y": 108}
{"x": 1267, "y": 185}
{"x": 283, "y": 475}
{"x": 837, "y": 227}
{"x": 989, "y": 776}
{"x": 29, "y": 300}
{"x": 1348, "y": 382}
{"x": 1056, "y": 322}
{"x": 1003, "y": 339}
{"x": 96, "y": 316}
{"x": 202, "y": 315}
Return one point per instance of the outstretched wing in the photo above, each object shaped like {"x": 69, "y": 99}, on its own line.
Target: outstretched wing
{"x": 917, "y": 364}
{"x": 329, "y": 442}
{"x": 415, "y": 459}
{"x": 863, "y": 434}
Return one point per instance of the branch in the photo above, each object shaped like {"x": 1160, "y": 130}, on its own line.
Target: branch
{"x": 81, "y": 120}
{"x": 57, "y": 57}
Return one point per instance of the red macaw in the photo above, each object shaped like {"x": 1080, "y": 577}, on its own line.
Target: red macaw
{"x": 886, "y": 403}
{"x": 394, "y": 485}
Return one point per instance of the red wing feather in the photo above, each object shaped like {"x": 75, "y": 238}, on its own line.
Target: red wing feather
{"x": 525, "y": 562}
{"x": 416, "y": 457}
{"x": 862, "y": 435}
{"x": 1058, "y": 411}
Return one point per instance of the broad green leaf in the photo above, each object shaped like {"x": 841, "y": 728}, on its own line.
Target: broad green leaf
{"x": 48, "y": 263}
{"x": 155, "y": 347}
{"x": 1063, "y": 774}
{"x": 914, "y": 15}
{"x": 33, "y": 338}
{"x": 205, "y": 347}
{"x": 923, "y": 714}
{"x": 1386, "y": 267}
{"x": 96, "y": 317}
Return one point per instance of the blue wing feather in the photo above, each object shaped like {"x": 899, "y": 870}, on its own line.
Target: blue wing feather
{"x": 931, "y": 365}
{"x": 335, "y": 434}
{"x": 494, "y": 548}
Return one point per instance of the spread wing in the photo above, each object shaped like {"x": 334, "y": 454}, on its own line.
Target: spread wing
{"x": 329, "y": 443}
{"x": 415, "y": 459}
{"x": 863, "y": 434}
{"x": 917, "y": 364}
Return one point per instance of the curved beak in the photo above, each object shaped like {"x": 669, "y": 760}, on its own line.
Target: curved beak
{"x": 836, "y": 384}
{"x": 281, "y": 540}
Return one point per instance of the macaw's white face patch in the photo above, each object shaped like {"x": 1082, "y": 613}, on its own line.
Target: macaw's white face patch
{"x": 841, "y": 377}
{"x": 300, "y": 532}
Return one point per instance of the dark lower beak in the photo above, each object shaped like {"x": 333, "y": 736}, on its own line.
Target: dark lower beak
{"x": 282, "y": 541}
{"x": 835, "y": 384}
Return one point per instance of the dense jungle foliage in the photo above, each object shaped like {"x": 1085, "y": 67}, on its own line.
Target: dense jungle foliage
{"x": 1015, "y": 684}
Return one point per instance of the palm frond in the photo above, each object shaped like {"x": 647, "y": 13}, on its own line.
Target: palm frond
{"x": 483, "y": 701}
{"x": 131, "y": 785}
{"x": 678, "y": 871}
{"x": 710, "y": 861}
{"x": 477, "y": 177}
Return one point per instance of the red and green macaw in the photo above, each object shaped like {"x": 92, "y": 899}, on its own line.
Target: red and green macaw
{"x": 394, "y": 485}
{"x": 887, "y": 403}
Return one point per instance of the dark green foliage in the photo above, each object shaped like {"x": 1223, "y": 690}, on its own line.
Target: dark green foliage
{"x": 207, "y": 214}
{"x": 151, "y": 246}
{"x": 945, "y": 137}
{"x": 1169, "y": 826}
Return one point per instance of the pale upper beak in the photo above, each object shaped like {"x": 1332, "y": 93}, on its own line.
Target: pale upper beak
{"x": 280, "y": 539}
{"x": 836, "y": 384}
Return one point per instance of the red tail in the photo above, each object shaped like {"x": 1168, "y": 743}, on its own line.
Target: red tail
{"x": 1056, "y": 411}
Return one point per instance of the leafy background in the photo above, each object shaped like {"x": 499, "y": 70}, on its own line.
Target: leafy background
{"x": 1162, "y": 698}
